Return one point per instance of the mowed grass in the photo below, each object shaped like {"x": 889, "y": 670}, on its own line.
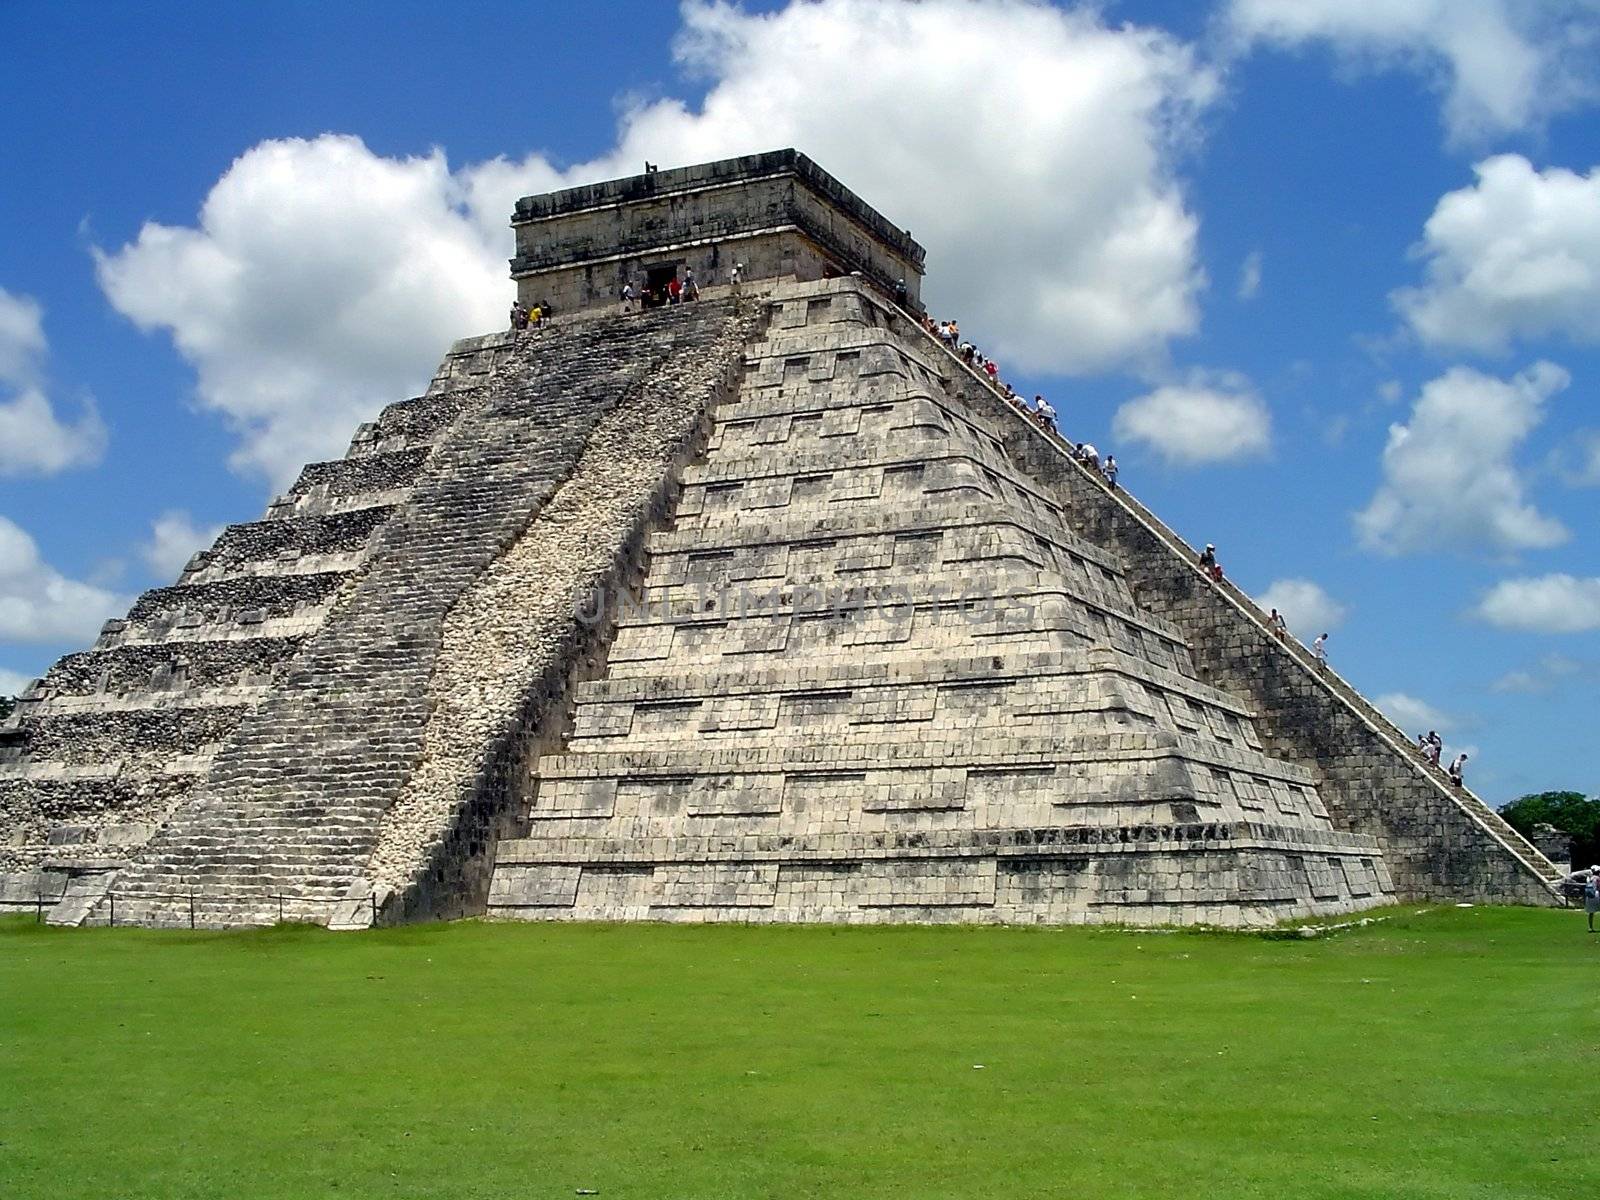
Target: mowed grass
{"x": 1451, "y": 1053}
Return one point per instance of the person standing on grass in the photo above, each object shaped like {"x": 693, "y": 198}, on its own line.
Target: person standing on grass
{"x": 1590, "y": 881}
{"x": 1319, "y": 650}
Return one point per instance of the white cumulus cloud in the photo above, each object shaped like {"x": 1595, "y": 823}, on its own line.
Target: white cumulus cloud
{"x": 22, "y": 341}
{"x": 320, "y": 280}
{"x": 1250, "y": 276}
{"x": 38, "y": 603}
{"x": 1412, "y": 714}
{"x": 1516, "y": 255}
{"x": 174, "y": 537}
{"x": 1578, "y": 462}
{"x": 1557, "y": 603}
{"x": 1306, "y": 607}
{"x": 1502, "y": 66}
{"x": 11, "y": 683}
{"x": 1211, "y": 418}
{"x": 1553, "y": 672}
{"x": 1449, "y": 481}
{"x": 33, "y": 439}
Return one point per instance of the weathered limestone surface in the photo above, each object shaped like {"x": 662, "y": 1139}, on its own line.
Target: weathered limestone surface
{"x": 871, "y": 674}
{"x": 378, "y": 749}
{"x": 762, "y": 608}
{"x": 511, "y": 645}
{"x": 1439, "y": 840}
{"x": 779, "y": 214}
{"x": 111, "y": 740}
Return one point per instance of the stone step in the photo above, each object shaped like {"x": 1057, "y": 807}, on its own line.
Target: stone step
{"x": 377, "y": 472}
{"x": 259, "y": 597}
{"x": 153, "y": 668}
{"x": 786, "y": 677}
{"x": 98, "y": 736}
{"x": 953, "y": 750}
{"x": 305, "y": 534}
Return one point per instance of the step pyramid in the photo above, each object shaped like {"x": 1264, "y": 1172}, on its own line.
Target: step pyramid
{"x": 764, "y": 607}
{"x": 871, "y": 674}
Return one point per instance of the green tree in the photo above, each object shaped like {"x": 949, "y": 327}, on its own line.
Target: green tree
{"x": 1569, "y": 812}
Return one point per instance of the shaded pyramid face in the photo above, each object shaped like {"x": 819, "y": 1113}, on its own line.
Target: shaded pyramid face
{"x": 871, "y": 675}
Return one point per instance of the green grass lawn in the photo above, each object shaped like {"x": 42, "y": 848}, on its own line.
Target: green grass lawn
{"x": 1453, "y": 1053}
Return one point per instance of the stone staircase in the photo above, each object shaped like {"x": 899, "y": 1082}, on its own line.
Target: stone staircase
{"x": 111, "y": 740}
{"x": 290, "y": 811}
{"x": 804, "y": 718}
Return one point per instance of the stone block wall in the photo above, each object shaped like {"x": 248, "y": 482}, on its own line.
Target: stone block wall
{"x": 871, "y": 674}
{"x": 1439, "y": 841}
{"x": 104, "y": 748}
{"x": 377, "y": 755}
{"x": 778, "y": 214}
{"x": 518, "y": 640}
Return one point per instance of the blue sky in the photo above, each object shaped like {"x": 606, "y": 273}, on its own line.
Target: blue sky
{"x": 1325, "y": 276}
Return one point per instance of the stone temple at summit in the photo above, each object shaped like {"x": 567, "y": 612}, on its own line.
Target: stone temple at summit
{"x": 762, "y": 606}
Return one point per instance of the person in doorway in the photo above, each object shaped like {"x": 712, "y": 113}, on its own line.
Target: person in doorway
{"x": 628, "y": 297}
{"x": 674, "y": 290}
{"x": 691, "y": 289}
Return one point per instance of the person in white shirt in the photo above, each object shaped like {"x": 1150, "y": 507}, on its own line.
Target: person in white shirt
{"x": 1590, "y": 882}
{"x": 1319, "y": 650}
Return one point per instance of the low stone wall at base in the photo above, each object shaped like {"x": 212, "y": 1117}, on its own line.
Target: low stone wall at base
{"x": 1232, "y": 874}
